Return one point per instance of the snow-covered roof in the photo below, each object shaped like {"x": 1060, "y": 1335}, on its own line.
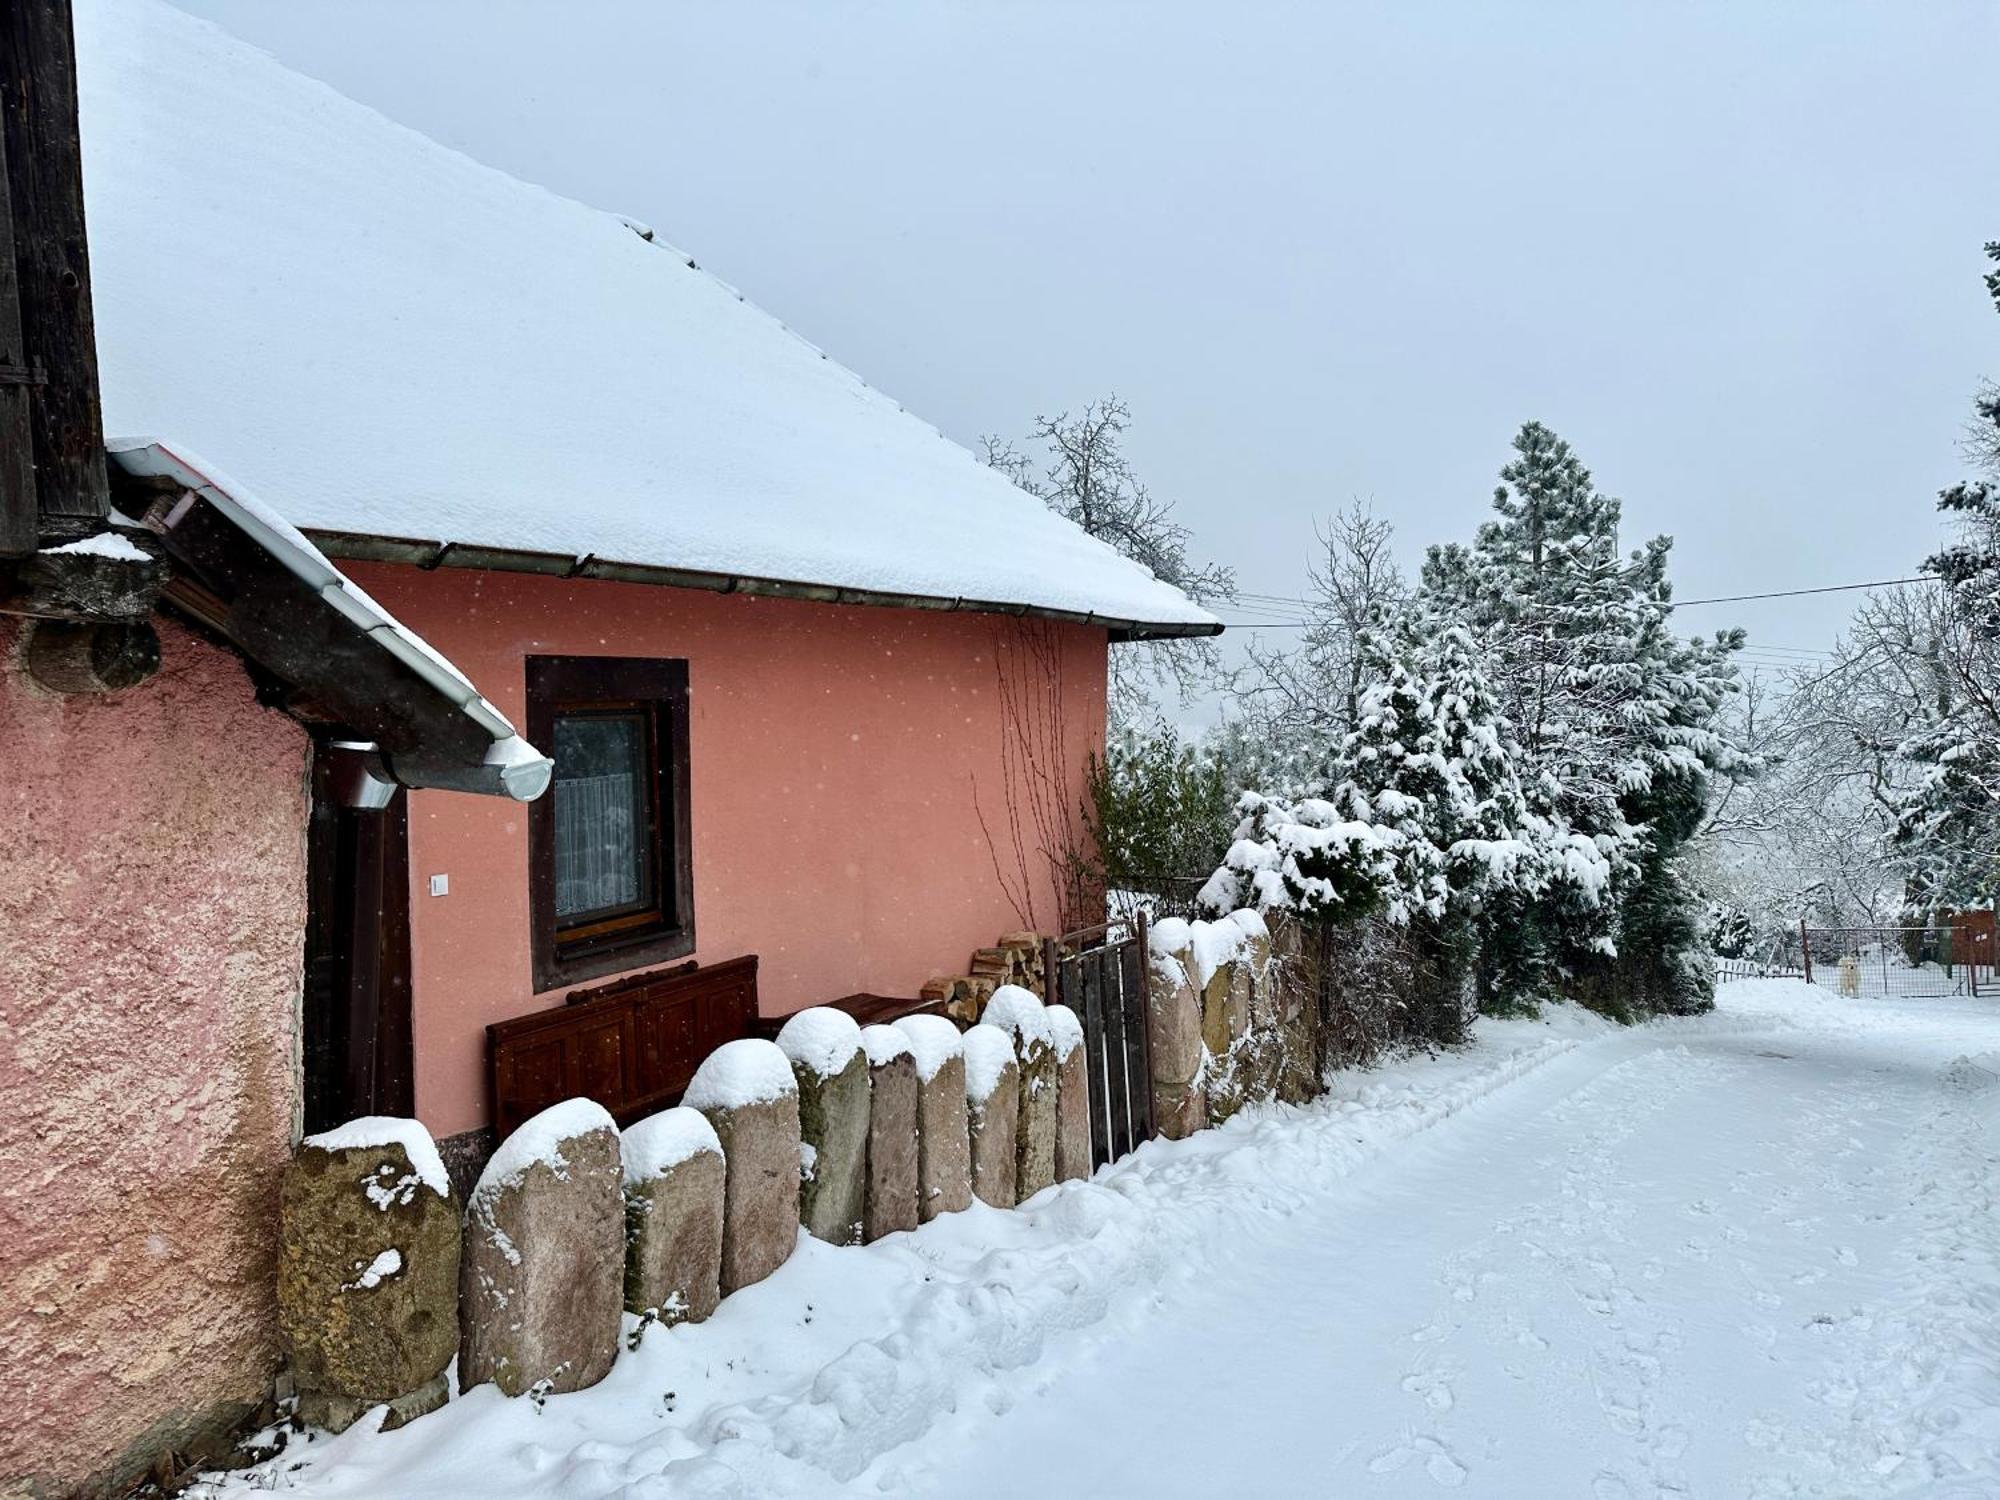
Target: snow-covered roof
{"x": 385, "y": 339}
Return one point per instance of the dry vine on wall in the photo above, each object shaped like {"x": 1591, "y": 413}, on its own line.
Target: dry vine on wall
{"x": 1041, "y": 841}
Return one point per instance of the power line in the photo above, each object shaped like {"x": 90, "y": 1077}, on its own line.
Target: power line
{"x": 1831, "y": 588}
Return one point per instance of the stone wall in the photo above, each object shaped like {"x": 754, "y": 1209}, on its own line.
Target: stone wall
{"x": 1235, "y": 1019}
{"x": 849, "y": 1134}
{"x": 152, "y": 901}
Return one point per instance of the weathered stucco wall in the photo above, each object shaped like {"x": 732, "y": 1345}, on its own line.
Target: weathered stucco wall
{"x": 835, "y": 752}
{"x": 152, "y": 899}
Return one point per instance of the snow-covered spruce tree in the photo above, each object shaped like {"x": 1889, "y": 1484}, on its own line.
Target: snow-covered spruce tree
{"x": 1082, "y": 473}
{"x": 1502, "y": 857}
{"x": 1398, "y": 778}
{"x": 1732, "y": 932}
{"x": 1305, "y": 859}
{"x": 1404, "y": 776}
{"x": 1949, "y": 819}
{"x": 1619, "y": 731}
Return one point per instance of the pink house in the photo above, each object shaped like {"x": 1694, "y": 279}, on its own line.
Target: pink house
{"x": 494, "y": 606}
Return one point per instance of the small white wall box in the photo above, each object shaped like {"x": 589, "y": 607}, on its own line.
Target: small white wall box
{"x": 440, "y": 885}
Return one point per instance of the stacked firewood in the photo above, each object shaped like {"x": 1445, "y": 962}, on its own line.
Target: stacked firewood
{"x": 963, "y": 997}
{"x": 1016, "y": 958}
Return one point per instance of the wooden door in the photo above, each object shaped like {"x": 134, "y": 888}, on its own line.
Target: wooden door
{"x": 357, "y": 1040}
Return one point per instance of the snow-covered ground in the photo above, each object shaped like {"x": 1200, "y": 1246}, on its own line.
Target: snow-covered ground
{"x": 1750, "y": 1255}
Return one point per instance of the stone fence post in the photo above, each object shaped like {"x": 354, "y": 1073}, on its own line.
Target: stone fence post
{"x": 747, "y": 1091}
{"x": 1072, "y": 1095}
{"x": 542, "y": 1277}
{"x": 1021, "y": 1014}
{"x": 824, "y": 1048}
{"x": 368, "y": 1272}
{"x": 674, "y": 1193}
{"x": 993, "y": 1112}
{"x": 1175, "y": 1015}
{"x": 890, "y": 1202}
{"x": 944, "y": 1147}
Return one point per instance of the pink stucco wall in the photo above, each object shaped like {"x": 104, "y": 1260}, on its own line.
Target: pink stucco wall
{"x": 152, "y": 895}
{"x": 835, "y": 750}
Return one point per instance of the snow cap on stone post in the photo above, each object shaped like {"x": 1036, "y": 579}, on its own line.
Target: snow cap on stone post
{"x": 1065, "y": 1030}
{"x": 989, "y": 1053}
{"x": 933, "y": 1040}
{"x": 820, "y": 1038}
{"x": 746, "y": 1071}
{"x": 1020, "y": 1012}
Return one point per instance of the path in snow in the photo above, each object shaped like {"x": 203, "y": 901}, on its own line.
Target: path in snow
{"x": 1700, "y": 1265}
{"x": 1750, "y": 1255}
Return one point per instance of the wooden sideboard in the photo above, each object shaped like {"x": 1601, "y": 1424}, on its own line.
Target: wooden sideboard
{"x": 633, "y": 1045}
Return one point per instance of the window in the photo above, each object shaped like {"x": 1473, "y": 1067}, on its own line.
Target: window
{"x": 609, "y": 864}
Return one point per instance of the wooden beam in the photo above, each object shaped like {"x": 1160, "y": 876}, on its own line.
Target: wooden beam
{"x": 59, "y": 585}
{"x": 101, "y": 657}
{"x": 20, "y": 531}
{"x": 51, "y": 263}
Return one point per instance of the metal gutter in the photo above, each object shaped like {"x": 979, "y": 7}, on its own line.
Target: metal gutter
{"x": 358, "y": 547}
{"x": 511, "y": 766}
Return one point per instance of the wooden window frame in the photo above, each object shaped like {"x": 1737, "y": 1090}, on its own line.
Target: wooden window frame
{"x": 664, "y": 930}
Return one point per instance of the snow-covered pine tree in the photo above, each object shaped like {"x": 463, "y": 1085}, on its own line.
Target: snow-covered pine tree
{"x": 1949, "y": 824}
{"x": 1546, "y": 590}
{"x": 1617, "y": 721}
{"x": 1397, "y": 777}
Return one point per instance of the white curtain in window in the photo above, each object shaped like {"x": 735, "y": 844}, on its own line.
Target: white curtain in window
{"x": 597, "y": 843}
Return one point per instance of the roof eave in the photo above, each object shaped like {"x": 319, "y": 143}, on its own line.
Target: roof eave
{"x": 255, "y": 580}
{"x": 354, "y": 546}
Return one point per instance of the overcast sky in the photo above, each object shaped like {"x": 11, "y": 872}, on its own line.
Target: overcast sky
{"x": 1732, "y": 252}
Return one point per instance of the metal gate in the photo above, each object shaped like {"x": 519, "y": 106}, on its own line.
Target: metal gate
{"x": 1100, "y": 973}
{"x": 1918, "y": 961}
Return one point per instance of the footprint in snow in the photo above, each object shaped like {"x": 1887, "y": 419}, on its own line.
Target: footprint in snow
{"x": 1439, "y": 1463}
{"x": 1437, "y": 1395}
{"x": 1389, "y": 1460}
{"x": 1623, "y": 1415}
{"x": 1846, "y": 1256}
